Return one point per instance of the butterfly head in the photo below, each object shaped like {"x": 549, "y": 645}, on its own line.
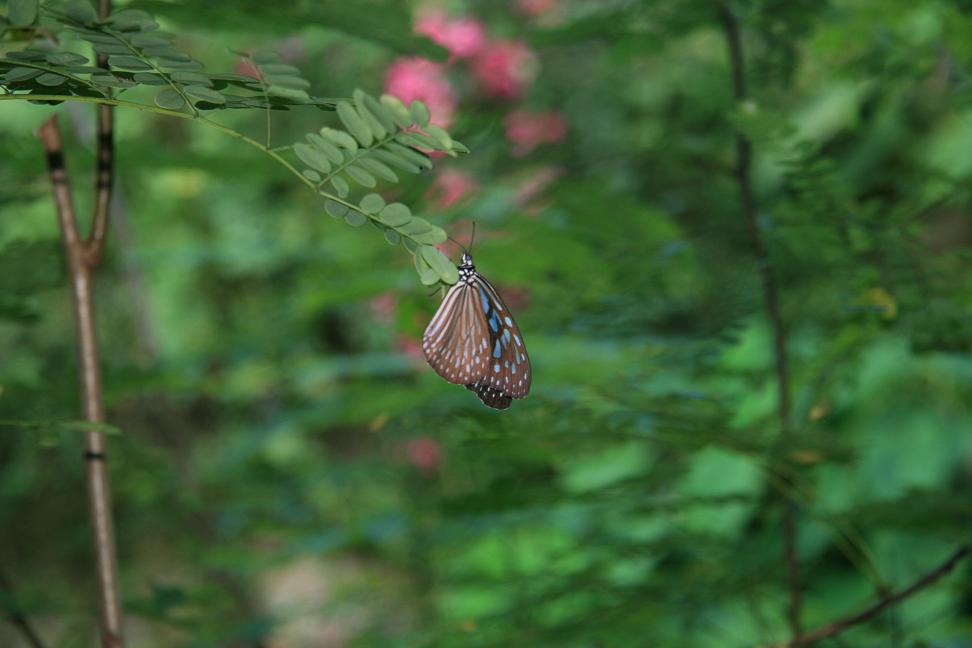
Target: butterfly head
{"x": 466, "y": 263}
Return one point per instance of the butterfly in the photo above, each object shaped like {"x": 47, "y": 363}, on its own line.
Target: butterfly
{"x": 472, "y": 340}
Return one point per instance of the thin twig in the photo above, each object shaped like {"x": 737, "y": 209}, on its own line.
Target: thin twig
{"x": 840, "y": 625}
{"x": 99, "y": 492}
{"x": 18, "y": 620}
{"x": 105, "y": 163}
{"x": 104, "y": 179}
{"x": 771, "y": 297}
{"x": 83, "y": 261}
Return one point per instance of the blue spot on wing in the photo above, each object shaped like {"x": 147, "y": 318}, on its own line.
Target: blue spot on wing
{"x": 482, "y": 295}
{"x": 494, "y": 323}
{"x": 497, "y": 352}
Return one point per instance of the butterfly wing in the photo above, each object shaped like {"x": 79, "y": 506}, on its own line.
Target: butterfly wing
{"x": 508, "y": 373}
{"x": 455, "y": 342}
{"x": 494, "y": 398}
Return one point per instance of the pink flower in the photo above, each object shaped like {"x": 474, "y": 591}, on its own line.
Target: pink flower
{"x": 504, "y": 68}
{"x": 449, "y": 187}
{"x": 383, "y": 306}
{"x": 463, "y": 37}
{"x": 418, "y": 78}
{"x": 424, "y": 452}
{"x": 526, "y": 130}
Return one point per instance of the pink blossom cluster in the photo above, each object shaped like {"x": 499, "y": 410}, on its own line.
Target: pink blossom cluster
{"x": 526, "y": 129}
{"x": 505, "y": 68}
{"x": 418, "y": 78}
{"x": 463, "y": 37}
{"x": 501, "y": 69}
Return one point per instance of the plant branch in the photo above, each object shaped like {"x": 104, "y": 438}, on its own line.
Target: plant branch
{"x": 105, "y": 166}
{"x": 364, "y": 151}
{"x": 840, "y": 625}
{"x": 771, "y": 297}
{"x": 99, "y": 491}
{"x": 104, "y": 181}
{"x": 60, "y": 71}
{"x": 97, "y": 100}
{"x": 121, "y": 103}
{"x": 272, "y": 152}
{"x": 18, "y": 620}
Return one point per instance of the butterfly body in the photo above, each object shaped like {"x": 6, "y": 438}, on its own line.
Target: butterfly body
{"x": 472, "y": 340}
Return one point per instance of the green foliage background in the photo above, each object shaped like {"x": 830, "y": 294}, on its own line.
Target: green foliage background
{"x": 264, "y": 489}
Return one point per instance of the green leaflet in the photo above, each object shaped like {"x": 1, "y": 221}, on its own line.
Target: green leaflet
{"x": 372, "y": 203}
{"x": 441, "y": 265}
{"x": 427, "y": 274}
{"x": 170, "y": 99}
{"x": 397, "y": 110}
{"x": 378, "y": 168}
{"x": 335, "y": 209}
{"x": 420, "y": 113}
{"x": 355, "y": 219}
{"x": 354, "y": 123}
{"x": 202, "y": 93}
{"x": 341, "y": 185}
{"x": 360, "y": 176}
{"x": 395, "y": 215}
{"x": 22, "y": 13}
{"x": 312, "y": 157}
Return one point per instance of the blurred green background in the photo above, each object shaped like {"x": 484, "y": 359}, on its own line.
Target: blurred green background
{"x": 290, "y": 473}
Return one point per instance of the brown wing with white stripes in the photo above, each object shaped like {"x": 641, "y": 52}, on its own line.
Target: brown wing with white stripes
{"x": 455, "y": 342}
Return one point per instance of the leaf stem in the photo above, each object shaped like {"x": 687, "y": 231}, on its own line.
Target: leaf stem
{"x": 771, "y": 298}
{"x": 840, "y": 625}
{"x": 355, "y": 158}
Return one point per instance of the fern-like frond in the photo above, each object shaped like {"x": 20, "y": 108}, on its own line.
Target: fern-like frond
{"x": 379, "y": 140}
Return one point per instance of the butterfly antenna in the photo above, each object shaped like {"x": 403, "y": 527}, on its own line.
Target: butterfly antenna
{"x": 459, "y": 244}
{"x": 472, "y": 239}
